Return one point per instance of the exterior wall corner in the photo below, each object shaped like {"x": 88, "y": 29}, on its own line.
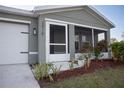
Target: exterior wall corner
{"x": 41, "y": 41}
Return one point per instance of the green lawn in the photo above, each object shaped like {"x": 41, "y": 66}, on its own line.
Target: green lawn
{"x": 103, "y": 78}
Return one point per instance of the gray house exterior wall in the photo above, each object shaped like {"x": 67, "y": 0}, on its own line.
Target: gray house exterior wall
{"x": 37, "y": 43}
{"x": 33, "y": 40}
{"x": 78, "y": 16}
{"x": 41, "y": 40}
{"x": 75, "y": 16}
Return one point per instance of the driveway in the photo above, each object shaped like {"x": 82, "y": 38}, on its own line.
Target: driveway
{"x": 17, "y": 76}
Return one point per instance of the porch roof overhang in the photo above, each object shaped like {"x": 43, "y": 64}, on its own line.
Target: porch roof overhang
{"x": 15, "y": 11}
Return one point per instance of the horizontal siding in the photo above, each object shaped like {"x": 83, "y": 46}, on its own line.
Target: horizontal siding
{"x": 79, "y": 17}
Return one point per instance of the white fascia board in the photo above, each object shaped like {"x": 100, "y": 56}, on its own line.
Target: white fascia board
{"x": 15, "y": 20}
{"x": 47, "y": 7}
{"x": 10, "y": 10}
{"x": 53, "y": 11}
{"x": 59, "y": 21}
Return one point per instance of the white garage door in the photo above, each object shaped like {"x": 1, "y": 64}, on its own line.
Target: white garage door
{"x": 13, "y": 43}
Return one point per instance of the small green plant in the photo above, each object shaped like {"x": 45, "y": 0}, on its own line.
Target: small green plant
{"x": 102, "y": 45}
{"x": 99, "y": 48}
{"x": 72, "y": 63}
{"x": 37, "y": 72}
{"x": 97, "y": 53}
{"x": 55, "y": 70}
{"x": 42, "y": 70}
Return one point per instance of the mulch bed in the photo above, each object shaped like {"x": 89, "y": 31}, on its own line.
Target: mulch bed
{"x": 95, "y": 64}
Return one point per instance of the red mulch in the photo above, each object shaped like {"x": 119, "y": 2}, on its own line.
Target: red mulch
{"x": 95, "y": 64}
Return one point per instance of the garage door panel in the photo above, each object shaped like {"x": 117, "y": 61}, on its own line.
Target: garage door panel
{"x": 12, "y": 43}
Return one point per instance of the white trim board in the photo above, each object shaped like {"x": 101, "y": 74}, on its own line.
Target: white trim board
{"x": 31, "y": 53}
{"x": 14, "y": 20}
{"x": 53, "y": 11}
{"x": 65, "y": 22}
{"x": 55, "y": 57}
{"x": 56, "y": 44}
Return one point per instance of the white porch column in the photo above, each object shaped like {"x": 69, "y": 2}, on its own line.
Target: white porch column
{"x": 93, "y": 37}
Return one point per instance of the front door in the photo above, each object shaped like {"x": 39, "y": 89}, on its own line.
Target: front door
{"x": 56, "y": 42}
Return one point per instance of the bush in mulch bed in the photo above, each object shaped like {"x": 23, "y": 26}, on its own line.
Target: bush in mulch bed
{"x": 80, "y": 71}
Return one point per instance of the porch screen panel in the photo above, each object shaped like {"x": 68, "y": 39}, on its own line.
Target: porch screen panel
{"x": 57, "y": 49}
{"x": 82, "y": 36}
{"x": 57, "y": 34}
{"x": 57, "y": 39}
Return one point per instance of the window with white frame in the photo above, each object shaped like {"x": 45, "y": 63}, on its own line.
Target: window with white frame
{"x": 57, "y": 39}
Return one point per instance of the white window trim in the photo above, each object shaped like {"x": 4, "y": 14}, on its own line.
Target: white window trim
{"x": 48, "y": 38}
{"x": 31, "y": 53}
{"x": 14, "y": 20}
{"x": 65, "y": 22}
{"x": 57, "y": 44}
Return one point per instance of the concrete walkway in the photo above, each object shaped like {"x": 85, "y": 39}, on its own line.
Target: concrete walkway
{"x": 17, "y": 76}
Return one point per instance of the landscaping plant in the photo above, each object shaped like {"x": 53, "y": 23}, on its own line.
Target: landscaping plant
{"x": 46, "y": 70}
{"x": 97, "y": 53}
{"x": 55, "y": 70}
{"x": 118, "y": 50}
{"x": 102, "y": 78}
{"x": 100, "y": 47}
{"x": 72, "y": 63}
{"x": 87, "y": 52}
{"x": 42, "y": 70}
{"x": 37, "y": 72}
{"x": 103, "y": 45}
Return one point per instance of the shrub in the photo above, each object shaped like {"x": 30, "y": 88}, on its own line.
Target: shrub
{"x": 37, "y": 72}
{"x": 42, "y": 70}
{"x": 55, "y": 70}
{"x": 97, "y": 52}
{"x": 99, "y": 48}
{"x": 87, "y": 49}
{"x": 102, "y": 45}
{"x": 118, "y": 50}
